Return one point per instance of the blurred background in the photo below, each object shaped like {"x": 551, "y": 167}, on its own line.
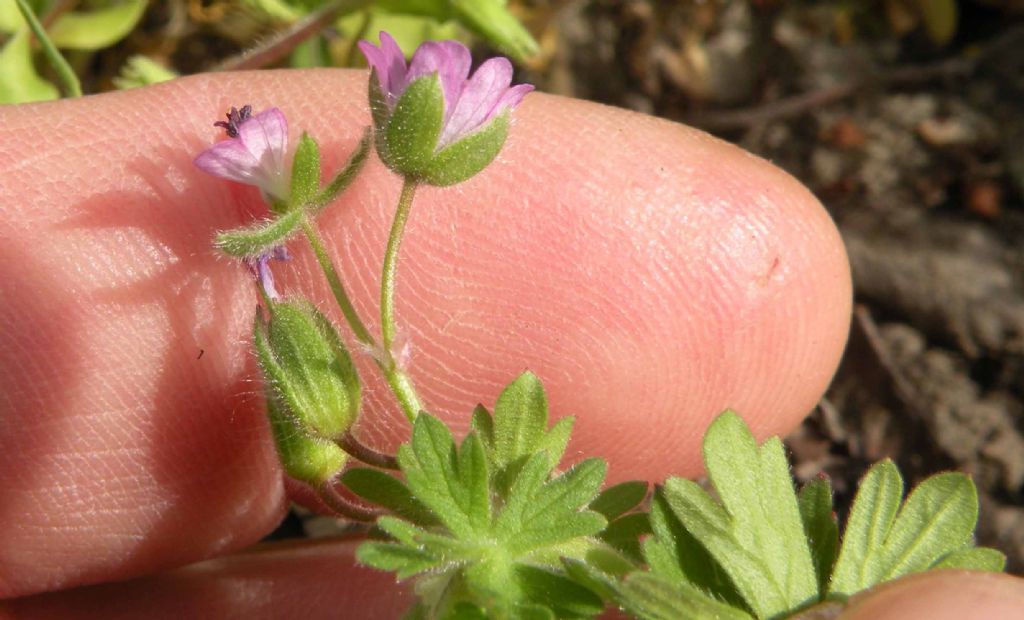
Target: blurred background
{"x": 905, "y": 117}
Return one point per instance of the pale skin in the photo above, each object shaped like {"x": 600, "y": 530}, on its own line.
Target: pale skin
{"x": 650, "y": 275}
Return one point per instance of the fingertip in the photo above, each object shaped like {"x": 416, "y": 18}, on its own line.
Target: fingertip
{"x": 308, "y": 580}
{"x": 942, "y": 595}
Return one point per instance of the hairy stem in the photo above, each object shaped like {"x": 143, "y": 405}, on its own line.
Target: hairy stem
{"x": 334, "y": 280}
{"x": 401, "y": 386}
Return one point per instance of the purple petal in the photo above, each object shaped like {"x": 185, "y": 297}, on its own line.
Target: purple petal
{"x": 260, "y": 269}
{"x": 229, "y": 160}
{"x": 389, "y": 63}
{"x": 256, "y": 157}
{"x": 512, "y": 97}
{"x": 478, "y": 100}
{"x": 266, "y": 137}
{"x": 450, "y": 60}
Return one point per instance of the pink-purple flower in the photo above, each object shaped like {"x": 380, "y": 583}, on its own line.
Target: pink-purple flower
{"x": 256, "y": 155}
{"x": 469, "y": 108}
{"x": 469, "y": 102}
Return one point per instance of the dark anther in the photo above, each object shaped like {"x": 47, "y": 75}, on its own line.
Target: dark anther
{"x": 235, "y": 118}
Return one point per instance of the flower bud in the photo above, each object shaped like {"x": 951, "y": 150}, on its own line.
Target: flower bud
{"x": 308, "y": 369}
{"x": 434, "y": 123}
{"x": 304, "y": 458}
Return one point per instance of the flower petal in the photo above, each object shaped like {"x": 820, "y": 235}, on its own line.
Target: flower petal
{"x": 478, "y": 99}
{"x": 512, "y": 98}
{"x": 451, "y": 61}
{"x": 229, "y": 159}
{"x": 266, "y": 137}
{"x": 389, "y": 63}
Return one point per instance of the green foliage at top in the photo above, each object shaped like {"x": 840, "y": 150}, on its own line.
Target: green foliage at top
{"x": 486, "y": 523}
{"x": 100, "y": 25}
{"x": 760, "y": 551}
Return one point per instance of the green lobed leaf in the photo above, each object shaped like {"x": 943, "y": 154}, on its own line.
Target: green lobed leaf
{"x": 517, "y": 427}
{"x": 98, "y": 28}
{"x": 652, "y": 597}
{"x": 501, "y": 555}
{"x": 382, "y": 489}
{"x": 624, "y": 533}
{"x": 748, "y": 569}
{"x": 820, "y": 527}
{"x": 591, "y": 575}
{"x": 403, "y": 560}
{"x": 871, "y": 516}
{"x": 938, "y": 518}
{"x": 608, "y": 560}
{"x": 974, "y": 558}
{"x": 553, "y": 513}
{"x": 675, "y": 554}
{"x": 619, "y": 499}
{"x": 562, "y": 596}
{"x": 19, "y": 81}
{"x": 305, "y": 173}
{"x": 473, "y": 477}
{"x": 756, "y": 488}
{"x": 556, "y": 439}
{"x": 531, "y": 478}
{"x": 253, "y": 241}
{"x": 482, "y": 423}
{"x": 520, "y": 419}
{"x": 412, "y": 131}
{"x": 429, "y": 464}
{"x": 465, "y": 158}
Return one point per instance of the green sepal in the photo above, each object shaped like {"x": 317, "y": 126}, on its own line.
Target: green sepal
{"x": 412, "y": 130}
{"x": 305, "y": 173}
{"x": 344, "y": 178}
{"x": 463, "y": 159}
{"x": 304, "y": 458}
{"x": 308, "y": 367}
{"x": 252, "y": 241}
{"x": 379, "y": 110}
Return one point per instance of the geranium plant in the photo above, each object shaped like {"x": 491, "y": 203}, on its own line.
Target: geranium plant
{"x": 491, "y": 525}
